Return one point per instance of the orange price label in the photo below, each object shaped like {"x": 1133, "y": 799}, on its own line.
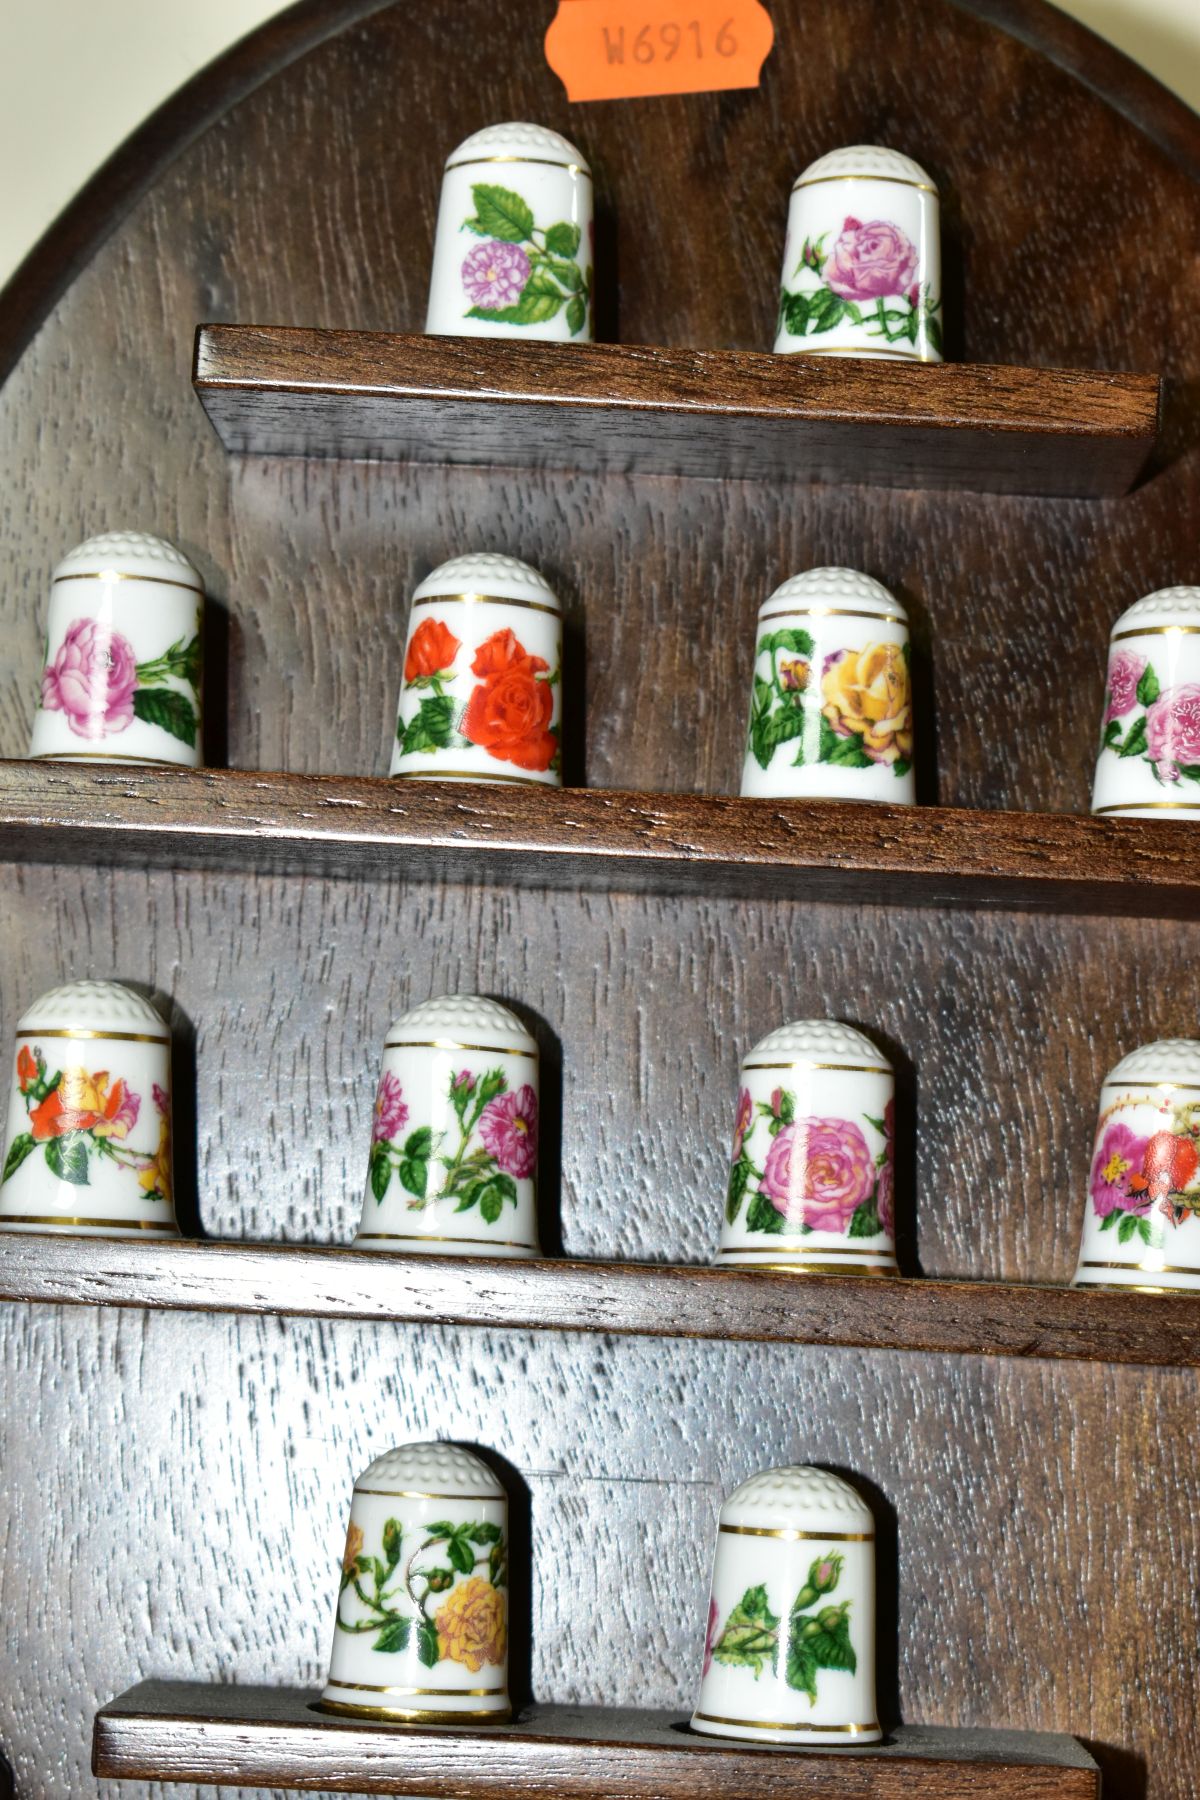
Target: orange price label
{"x": 625, "y": 49}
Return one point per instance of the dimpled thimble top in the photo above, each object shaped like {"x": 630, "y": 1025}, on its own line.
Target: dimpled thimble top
{"x": 1170, "y": 1059}
{"x": 446, "y": 1471}
{"x": 1166, "y": 606}
{"x": 461, "y": 1022}
{"x": 834, "y": 590}
{"x": 504, "y": 577}
{"x": 820, "y": 1041}
{"x": 521, "y": 143}
{"x": 130, "y": 553}
{"x": 101, "y": 1006}
{"x": 798, "y": 1498}
{"x": 867, "y": 161}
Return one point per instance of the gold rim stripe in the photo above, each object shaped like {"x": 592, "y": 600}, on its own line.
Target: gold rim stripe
{"x": 1145, "y": 1268}
{"x": 542, "y": 162}
{"x": 474, "y": 599}
{"x": 413, "y": 1494}
{"x": 449, "y": 1044}
{"x": 925, "y": 187}
{"x": 131, "y": 762}
{"x": 71, "y": 1031}
{"x": 1155, "y": 631}
{"x": 817, "y": 1250}
{"x": 780, "y": 1725}
{"x": 820, "y": 1537}
{"x": 415, "y": 1237}
{"x": 58, "y": 1219}
{"x": 371, "y": 1687}
{"x": 842, "y": 1068}
{"x": 129, "y": 575}
{"x": 857, "y": 350}
{"x": 1128, "y": 806}
{"x": 468, "y": 775}
{"x": 887, "y": 1270}
{"x": 499, "y": 1715}
{"x": 1126, "y": 1287}
{"x": 831, "y": 612}
{"x": 1183, "y": 1087}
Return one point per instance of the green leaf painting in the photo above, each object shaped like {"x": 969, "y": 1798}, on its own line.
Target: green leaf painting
{"x": 448, "y": 1572}
{"x": 750, "y": 1639}
{"x": 523, "y": 274}
{"x": 753, "y": 1634}
{"x": 171, "y": 711}
{"x": 500, "y": 213}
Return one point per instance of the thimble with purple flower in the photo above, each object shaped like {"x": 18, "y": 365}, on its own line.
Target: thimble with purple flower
{"x": 1148, "y": 761}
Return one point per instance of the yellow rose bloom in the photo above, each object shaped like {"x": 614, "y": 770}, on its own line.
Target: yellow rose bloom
{"x": 354, "y": 1544}
{"x": 471, "y": 1627}
{"x": 866, "y": 691}
{"x": 155, "y": 1178}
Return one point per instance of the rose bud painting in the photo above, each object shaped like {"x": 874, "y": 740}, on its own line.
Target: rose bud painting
{"x": 1142, "y": 1211}
{"x": 480, "y": 695}
{"x": 1148, "y": 760}
{"x": 862, "y": 259}
{"x": 514, "y": 247}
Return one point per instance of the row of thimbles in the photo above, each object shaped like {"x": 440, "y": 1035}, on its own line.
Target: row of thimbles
{"x": 514, "y": 248}
{"x": 453, "y": 1160}
{"x": 421, "y": 1624}
{"x": 831, "y": 713}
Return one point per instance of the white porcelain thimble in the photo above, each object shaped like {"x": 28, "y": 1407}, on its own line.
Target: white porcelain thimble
{"x": 453, "y": 1165}
{"x": 480, "y": 698}
{"x": 831, "y": 701}
{"x": 862, "y": 270}
{"x": 789, "y": 1652}
{"x": 512, "y": 255}
{"x": 421, "y": 1628}
{"x": 1149, "y": 758}
{"x": 89, "y": 1116}
{"x": 1142, "y": 1224}
{"x": 812, "y": 1168}
{"x": 121, "y": 678}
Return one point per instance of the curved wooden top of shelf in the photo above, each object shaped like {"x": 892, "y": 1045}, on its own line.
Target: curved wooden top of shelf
{"x": 597, "y": 838}
{"x": 271, "y": 1737}
{"x": 969, "y": 1318}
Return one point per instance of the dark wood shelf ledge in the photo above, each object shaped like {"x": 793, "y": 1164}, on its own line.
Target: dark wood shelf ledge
{"x": 625, "y": 408}
{"x": 973, "y": 1318}
{"x": 271, "y": 1737}
{"x": 596, "y": 838}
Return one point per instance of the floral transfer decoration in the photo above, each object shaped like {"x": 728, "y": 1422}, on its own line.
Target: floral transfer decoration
{"x": 754, "y": 1638}
{"x": 97, "y": 682}
{"x": 868, "y": 266}
{"x": 859, "y": 715}
{"x": 497, "y": 1145}
{"x": 816, "y": 1174}
{"x": 76, "y": 1116}
{"x": 507, "y": 713}
{"x": 1159, "y": 725}
{"x": 399, "y": 1593}
{"x": 1138, "y": 1182}
{"x": 523, "y": 275}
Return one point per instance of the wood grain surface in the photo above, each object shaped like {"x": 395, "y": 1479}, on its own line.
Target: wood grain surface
{"x": 632, "y": 409}
{"x": 600, "y": 840}
{"x": 192, "y": 1732}
{"x": 983, "y": 1318}
{"x": 175, "y": 1484}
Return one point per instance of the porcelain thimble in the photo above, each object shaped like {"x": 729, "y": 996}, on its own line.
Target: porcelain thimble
{"x": 88, "y": 1150}
{"x": 421, "y": 1627}
{"x": 1149, "y": 757}
{"x": 512, "y": 255}
{"x": 789, "y": 1652}
{"x": 121, "y": 671}
{"x": 480, "y": 698}
{"x": 454, "y": 1138}
{"x": 831, "y": 700}
{"x": 1142, "y": 1223}
{"x": 812, "y": 1168}
{"x": 862, "y": 272}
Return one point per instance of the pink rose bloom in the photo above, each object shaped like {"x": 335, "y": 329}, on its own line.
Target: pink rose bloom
{"x": 1173, "y": 729}
{"x": 92, "y": 679}
{"x": 509, "y": 1129}
{"x": 741, "y": 1124}
{"x": 1118, "y": 1158}
{"x": 495, "y": 273}
{"x": 710, "y": 1636}
{"x": 1125, "y": 670}
{"x": 122, "y": 1121}
{"x": 871, "y": 260}
{"x": 818, "y": 1172}
{"x": 391, "y": 1113}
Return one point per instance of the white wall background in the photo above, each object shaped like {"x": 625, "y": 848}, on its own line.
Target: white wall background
{"x": 76, "y": 76}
